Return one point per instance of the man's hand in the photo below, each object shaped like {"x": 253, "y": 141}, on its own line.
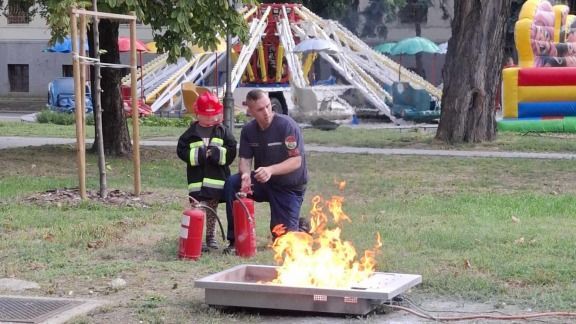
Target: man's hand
{"x": 263, "y": 174}
{"x": 246, "y": 185}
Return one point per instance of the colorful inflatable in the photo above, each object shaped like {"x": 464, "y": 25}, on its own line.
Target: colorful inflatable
{"x": 540, "y": 94}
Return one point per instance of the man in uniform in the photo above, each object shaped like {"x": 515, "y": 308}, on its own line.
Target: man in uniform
{"x": 274, "y": 145}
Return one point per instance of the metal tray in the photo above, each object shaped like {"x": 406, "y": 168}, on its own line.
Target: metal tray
{"x": 248, "y": 286}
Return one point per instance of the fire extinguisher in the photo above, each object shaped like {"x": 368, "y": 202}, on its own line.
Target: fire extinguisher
{"x": 191, "y": 229}
{"x": 244, "y": 226}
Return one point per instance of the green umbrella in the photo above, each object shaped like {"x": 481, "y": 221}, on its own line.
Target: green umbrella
{"x": 384, "y": 48}
{"x": 414, "y": 45}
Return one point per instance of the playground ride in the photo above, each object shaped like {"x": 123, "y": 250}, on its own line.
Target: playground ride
{"x": 540, "y": 94}
{"x": 412, "y": 104}
{"x": 334, "y": 85}
{"x": 61, "y": 96}
{"x": 143, "y": 109}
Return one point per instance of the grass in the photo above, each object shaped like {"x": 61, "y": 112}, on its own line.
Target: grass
{"x": 342, "y": 136}
{"x": 476, "y": 229}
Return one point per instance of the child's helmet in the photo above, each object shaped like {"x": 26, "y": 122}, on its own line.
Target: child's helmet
{"x": 207, "y": 104}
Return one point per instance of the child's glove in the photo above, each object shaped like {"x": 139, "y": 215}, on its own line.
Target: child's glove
{"x": 215, "y": 155}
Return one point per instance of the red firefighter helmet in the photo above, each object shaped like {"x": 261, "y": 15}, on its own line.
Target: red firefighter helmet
{"x": 207, "y": 104}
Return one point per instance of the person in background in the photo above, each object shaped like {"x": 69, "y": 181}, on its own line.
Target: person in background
{"x": 208, "y": 148}
{"x": 508, "y": 63}
{"x": 272, "y": 166}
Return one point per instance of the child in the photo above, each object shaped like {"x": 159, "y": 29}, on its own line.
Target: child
{"x": 208, "y": 148}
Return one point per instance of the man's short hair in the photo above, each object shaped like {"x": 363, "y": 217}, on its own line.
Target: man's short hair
{"x": 255, "y": 94}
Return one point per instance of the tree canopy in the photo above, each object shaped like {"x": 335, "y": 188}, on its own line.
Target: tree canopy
{"x": 175, "y": 24}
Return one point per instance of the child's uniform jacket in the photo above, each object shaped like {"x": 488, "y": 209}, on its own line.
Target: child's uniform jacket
{"x": 206, "y": 176}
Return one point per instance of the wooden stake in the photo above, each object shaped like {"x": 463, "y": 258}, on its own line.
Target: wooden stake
{"x": 135, "y": 110}
{"x": 80, "y": 157}
{"x": 82, "y": 100}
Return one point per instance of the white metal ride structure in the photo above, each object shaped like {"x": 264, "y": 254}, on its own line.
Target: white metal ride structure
{"x": 356, "y": 75}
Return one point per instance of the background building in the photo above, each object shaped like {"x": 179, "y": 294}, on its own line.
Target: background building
{"x": 26, "y": 69}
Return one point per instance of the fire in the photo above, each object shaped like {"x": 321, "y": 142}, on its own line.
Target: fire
{"x": 341, "y": 184}
{"x": 321, "y": 258}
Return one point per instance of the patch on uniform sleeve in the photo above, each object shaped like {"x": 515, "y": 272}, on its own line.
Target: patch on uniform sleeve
{"x": 290, "y": 142}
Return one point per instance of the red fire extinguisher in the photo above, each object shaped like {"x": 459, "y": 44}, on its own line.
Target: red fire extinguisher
{"x": 244, "y": 226}
{"x": 191, "y": 229}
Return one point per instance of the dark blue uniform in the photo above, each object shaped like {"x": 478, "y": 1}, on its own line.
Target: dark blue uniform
{"x": 285, "y": 193}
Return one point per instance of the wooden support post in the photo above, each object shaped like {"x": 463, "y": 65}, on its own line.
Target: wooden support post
{"x": 82, "y": 100}
{"x": 135, "y": 110}
{"x": 80, "y": 156}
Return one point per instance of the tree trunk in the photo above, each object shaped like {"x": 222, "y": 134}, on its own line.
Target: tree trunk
{"x": 472, "y": 71}
{"x": 114, "y": 126}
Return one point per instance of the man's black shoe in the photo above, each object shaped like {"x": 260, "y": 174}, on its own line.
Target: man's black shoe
{"x": 230, "y": 249}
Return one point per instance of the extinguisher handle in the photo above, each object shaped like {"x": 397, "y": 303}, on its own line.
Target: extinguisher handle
{"x": 239, "y": 196}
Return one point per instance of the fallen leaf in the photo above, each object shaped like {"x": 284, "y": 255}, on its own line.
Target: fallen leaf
{"x": 95, "y": 244}
{"x": 37, "y": 266}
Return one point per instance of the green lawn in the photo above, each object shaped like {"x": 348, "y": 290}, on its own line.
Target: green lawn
{"x": 496, "y": 230}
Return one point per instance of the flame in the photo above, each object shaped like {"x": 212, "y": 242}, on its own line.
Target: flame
{"x": 341, "y": 184}
{"x": 321, "y": 258}
{"x": 335, "y": 207}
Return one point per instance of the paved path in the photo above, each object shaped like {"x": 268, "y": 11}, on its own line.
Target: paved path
{"x": 11, "y": 116}
{"x": 14, "y": 141}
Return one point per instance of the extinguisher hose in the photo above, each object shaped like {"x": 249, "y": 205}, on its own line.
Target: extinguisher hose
{"x": 203, "y": 206}
{"x": 250, "y": 217}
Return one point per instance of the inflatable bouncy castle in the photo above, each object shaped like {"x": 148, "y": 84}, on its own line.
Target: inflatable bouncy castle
{"x": 539, "y": 95}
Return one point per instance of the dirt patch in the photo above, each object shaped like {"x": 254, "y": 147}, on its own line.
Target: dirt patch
{"x": 71, "y": 196}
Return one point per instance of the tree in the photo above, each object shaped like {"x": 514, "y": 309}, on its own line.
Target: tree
{"x": 472, "y": 71}
{"x": 175, "y": 25}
